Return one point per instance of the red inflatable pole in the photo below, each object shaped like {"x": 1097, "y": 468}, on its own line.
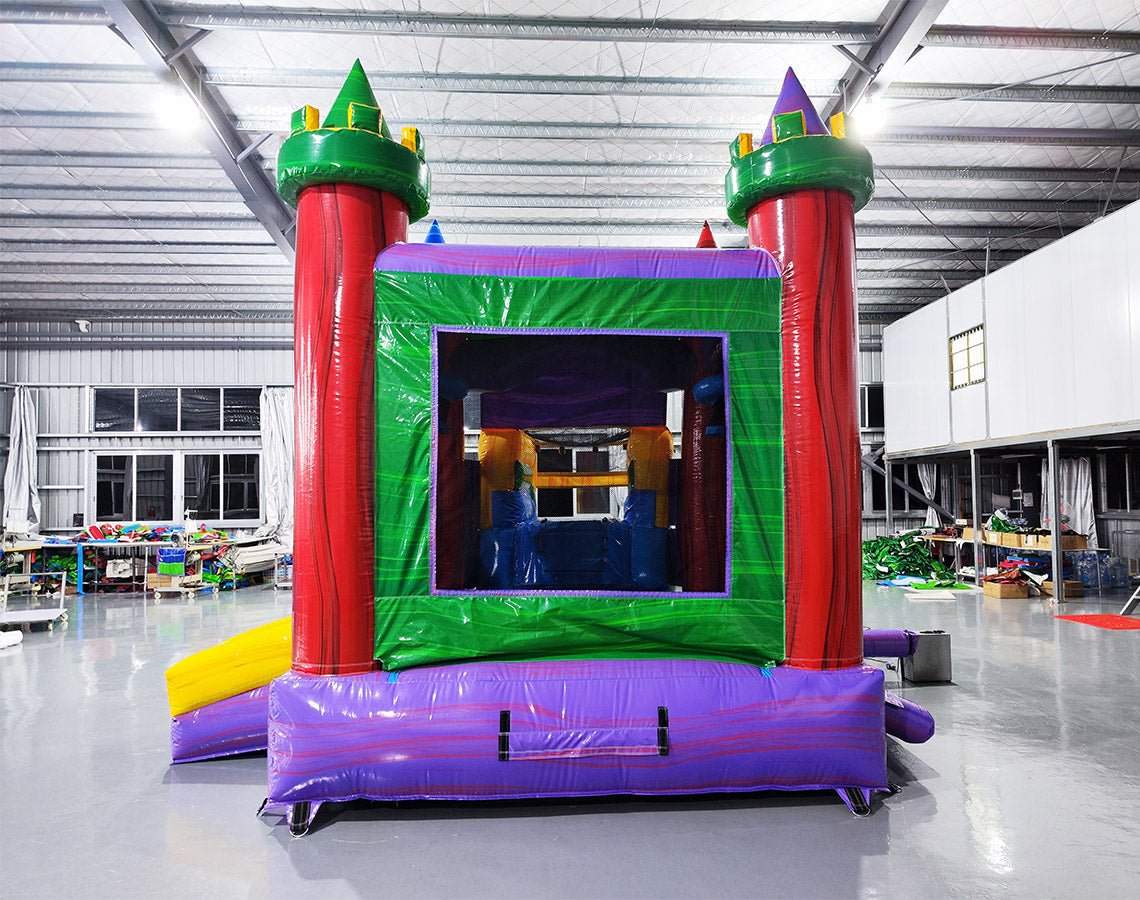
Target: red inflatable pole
{"x": 702, "y": 517}
{"x": 812, "y": 235}
{"x": 340, "y": 230}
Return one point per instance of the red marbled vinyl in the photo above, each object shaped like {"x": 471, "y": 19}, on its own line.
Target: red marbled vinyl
{"x": 340, "y": 230}
{"x": 812, "y": 235}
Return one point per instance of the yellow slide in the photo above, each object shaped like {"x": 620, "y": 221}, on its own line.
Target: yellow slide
{"x": 244, "y": 662}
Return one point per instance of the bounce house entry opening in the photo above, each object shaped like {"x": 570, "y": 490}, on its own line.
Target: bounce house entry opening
{"x": 558, "y": 461}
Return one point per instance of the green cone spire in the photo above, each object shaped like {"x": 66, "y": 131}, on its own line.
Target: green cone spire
{"x": 355, "y": 89}
{"x": 354, "y": 146}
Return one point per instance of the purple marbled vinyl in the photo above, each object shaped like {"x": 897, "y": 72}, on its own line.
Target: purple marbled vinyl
{"x": 577, "y": 728}
{"x": 575, "y": 262}
{"x": 226, "y": 728}
{"x": 888, "y": 642}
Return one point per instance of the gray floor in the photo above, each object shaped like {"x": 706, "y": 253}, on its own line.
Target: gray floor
{"x": 1030, "y": 788}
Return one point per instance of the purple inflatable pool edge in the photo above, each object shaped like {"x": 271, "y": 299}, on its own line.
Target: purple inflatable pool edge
{"x": 235, "y": 725}
{"x": 572, "y": 728}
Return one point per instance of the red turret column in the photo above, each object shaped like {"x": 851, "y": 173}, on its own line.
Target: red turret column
{"x": 350, "y": 206}
{"x": 798, "y": 194}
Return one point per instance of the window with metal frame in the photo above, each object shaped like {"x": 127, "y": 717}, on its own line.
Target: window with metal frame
{"x": 968, "y": 358}
{"x": 172, "y": 409}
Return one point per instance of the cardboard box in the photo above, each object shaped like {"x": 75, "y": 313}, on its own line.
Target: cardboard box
{"x": 1073, "y": 588}
{"x": 991, "y": 537}
{"x": 1068, "y": 542}
{"x": 968, "y": 533}
{"x": 1011, "y": 539}
{"x": 171, "y": 581}
{"x": 1005, "y": 591}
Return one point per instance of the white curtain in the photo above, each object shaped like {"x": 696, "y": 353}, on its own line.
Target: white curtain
{"x": 277, "y": 462}
{"x": 928, "y": 476}
{"x": 1076, "y": 497}
{"x": 21, "y": 485}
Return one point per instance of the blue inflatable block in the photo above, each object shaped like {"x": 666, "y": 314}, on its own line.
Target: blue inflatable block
{"x": 647, "y": 558}
{"x": 529, "y": 570}
{"x": 511, "y": 508}
{"x": 709, "y": 390}
{"x": 573, "y": 553}
{"x": 496, "y": 558}
{"x": 615, "y": 573}
{"x": 640, "y": 508}
{"x": 714, "y": 430}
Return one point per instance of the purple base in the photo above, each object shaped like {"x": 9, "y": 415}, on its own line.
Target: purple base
{"x": 226, "y": 728}
{"x": 908, "y": 721}
{"x": 577, "y": 728}
{"x": 888, "y": 642}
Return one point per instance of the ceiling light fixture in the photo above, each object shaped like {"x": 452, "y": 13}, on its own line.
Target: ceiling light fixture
{"x": 176, "y": 111}
{"x": 870, "y": 116}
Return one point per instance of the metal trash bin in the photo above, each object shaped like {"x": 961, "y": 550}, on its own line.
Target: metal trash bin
{"x": 931, "y": 660}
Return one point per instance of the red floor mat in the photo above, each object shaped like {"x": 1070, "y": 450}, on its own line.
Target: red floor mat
{"x": 1104, "y": 620}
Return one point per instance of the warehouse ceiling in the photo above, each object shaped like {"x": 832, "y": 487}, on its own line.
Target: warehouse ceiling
{"x": 137, "y": 140}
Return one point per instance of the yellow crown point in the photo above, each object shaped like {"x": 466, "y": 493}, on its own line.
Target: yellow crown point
{"x": 409, "y": 137}
{"x": 744, "y": 143}
{"x": 838, "y": 124}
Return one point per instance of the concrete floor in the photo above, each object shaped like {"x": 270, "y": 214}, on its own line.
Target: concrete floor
{"x": 1030, "y": 788}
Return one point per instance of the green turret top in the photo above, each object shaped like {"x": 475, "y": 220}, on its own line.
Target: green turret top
{"x": 354, "y": 145}
{"x": 796, "y": 153}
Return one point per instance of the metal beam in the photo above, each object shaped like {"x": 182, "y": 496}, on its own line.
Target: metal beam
{"x": 552, "y": 200}
{"x": 72, "y": 269}
{"x": 142, "y": 223}
{"x": 907, "y": 25}
{"x": 569, "y": 28}
{"x": 73, "y": 247}
{"x": 147, "y": 341}
{"x": 83, "y": 159}
{"x": 113, "y": 193}
{"x": 481, "y": 226}
{"x": 140, "y": 311}
{"x": 712, "y": 133}
{"x": 871, "y": 464}
{"x": 142, "y": 27}
{"x": 30, "y": 288}
{"x": 588, "y": 85}
{"x": 695, "y": 168}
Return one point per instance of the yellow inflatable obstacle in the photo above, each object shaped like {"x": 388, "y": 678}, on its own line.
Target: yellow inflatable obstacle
{"x": 244, "y": 662}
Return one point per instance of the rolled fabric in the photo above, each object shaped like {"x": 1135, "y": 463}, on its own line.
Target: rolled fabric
{"x": 889, "y": 642}
{"x": 908, "y": 721}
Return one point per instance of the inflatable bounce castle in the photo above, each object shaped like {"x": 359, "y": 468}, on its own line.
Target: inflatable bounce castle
{"x": 569, "y": 521}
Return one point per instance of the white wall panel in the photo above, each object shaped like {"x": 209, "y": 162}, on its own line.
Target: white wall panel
{"x": 1008, "y": 356}
{"x": 1100, "y": 332}
{"x": 965, "y": 311}
{"x": 915, "y": 379}
{"x": 1130, "y": 266}
{"x": 968, "y": 413}
{"x": 1062, "y": 345}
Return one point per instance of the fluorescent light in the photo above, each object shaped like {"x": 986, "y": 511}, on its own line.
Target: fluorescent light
{"x": 870, "y": 116}
{"x": 176, "y": 111}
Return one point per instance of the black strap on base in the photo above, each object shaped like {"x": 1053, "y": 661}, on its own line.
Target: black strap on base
{"x": 504, "y": 735}
{"x": 663, "y": 731}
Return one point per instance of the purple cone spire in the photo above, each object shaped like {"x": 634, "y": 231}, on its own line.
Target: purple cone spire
{"x": 794, "y": 98}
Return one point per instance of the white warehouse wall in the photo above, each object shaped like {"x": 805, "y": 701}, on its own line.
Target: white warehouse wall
{"x": 63, "y": 365}
{"x": 1062, "y": 341}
